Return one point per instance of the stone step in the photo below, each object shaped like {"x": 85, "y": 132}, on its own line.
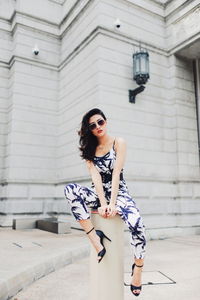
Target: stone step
{"x": 47, "y": 224}
{"x": 53, "y": 225}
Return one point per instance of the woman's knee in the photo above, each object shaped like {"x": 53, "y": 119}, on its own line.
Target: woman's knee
{"x": 133, "y": 221}
{"x": 70, "y": 189}
{"x": 137, "y": 227}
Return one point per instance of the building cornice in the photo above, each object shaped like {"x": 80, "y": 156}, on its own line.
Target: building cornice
{"x": 149, "y": 10}
{"x": 184, "y": 44}
{"x": 172, "y": 11}
{"x": 60, "y": 2}
{"x": 88, "y": 39}
{"x": 166, "y": 11}
{"x": 54, "y": 30}
{"x": 75, "y": 10}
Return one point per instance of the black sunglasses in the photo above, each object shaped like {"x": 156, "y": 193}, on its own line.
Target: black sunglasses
{"x": 93, "y": 126}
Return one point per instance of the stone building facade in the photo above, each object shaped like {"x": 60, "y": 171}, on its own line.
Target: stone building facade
{"x": 84, "y": 61}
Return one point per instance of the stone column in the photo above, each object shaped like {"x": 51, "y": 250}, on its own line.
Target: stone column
{"x": 107, "y": 277}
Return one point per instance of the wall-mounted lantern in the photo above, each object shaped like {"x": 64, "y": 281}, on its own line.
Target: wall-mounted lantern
{"x": 140, "y": 73}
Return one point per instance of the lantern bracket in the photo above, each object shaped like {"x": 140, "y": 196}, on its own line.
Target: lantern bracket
{"x": 133, "y": 93}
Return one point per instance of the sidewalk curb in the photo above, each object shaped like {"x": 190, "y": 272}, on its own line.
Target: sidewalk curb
{"x": 26, "y": 276}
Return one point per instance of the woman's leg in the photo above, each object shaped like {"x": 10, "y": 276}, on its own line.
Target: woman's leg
{"x": 94, "y": 238}
{"x": 128, "y": 211}
{"x": 79, "y": 197}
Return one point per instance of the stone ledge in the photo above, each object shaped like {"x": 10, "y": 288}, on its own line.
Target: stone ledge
{"x": 53, "y": 225}
{"x": 24, "y": 223}
{"x": 47, "y": 224}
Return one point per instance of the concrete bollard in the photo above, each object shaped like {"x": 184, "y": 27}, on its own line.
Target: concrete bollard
{"x": 107, "y": 277}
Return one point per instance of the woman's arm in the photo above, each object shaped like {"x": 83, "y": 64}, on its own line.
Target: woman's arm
{"x": 96, "y": 178}
{"x": 120, "y": 146}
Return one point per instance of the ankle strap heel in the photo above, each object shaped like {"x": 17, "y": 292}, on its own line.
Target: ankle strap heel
{"x": 139, "y": 266}
{"x": 133, "y": 287}
{"x": 90, "y": 230}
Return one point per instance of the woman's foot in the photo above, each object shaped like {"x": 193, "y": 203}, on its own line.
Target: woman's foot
{"x": 95, "y": 240}
{"x": 136, "y": 279}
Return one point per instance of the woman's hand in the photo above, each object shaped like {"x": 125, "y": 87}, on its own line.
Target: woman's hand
{"x": 111, "y": 210}
{"x": 102, "y": 210}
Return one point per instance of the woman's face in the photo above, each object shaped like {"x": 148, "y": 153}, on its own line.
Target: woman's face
{"x": 97, "y": 125}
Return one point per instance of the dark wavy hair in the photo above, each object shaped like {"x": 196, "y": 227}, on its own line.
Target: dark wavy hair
{"x": 88, "y": 142}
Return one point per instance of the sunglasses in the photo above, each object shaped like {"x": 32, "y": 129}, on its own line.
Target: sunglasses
{"x": 93, "y": 126}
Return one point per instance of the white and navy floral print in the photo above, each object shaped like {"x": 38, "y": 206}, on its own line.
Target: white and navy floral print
{"x": 81, "y": 198}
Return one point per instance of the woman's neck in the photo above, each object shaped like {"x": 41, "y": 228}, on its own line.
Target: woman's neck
{"x": 104, "y": 140}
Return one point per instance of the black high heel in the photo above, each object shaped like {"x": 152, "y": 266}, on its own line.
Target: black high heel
{"x": 133, "y": 287}
{"x": 102, "y": 236}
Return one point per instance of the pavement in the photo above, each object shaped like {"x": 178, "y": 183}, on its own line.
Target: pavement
{"x": 40, "y": 265}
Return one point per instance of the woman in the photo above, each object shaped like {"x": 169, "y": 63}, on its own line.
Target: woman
{"x": 105, "y": 156}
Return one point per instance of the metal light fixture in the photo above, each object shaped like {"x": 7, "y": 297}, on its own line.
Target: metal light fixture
{"x": 140, "y": 72}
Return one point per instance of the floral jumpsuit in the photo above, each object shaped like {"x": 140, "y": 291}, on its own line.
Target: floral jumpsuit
{"x": 81, "y": 198}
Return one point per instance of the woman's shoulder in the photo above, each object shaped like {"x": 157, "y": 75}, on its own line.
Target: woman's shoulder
{"x": 119, "y": 143}
{"x": 120, "y": 140}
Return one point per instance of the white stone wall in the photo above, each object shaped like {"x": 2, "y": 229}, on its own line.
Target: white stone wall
{"x": 78, "y": 93}
{"x": 3, "y": 116}
{"x": 6, "y": 9}
{"x": 85, "y": 62}
{"x": 32, "y": 146}
{"x": 182, "y": 85}
{"x": 29, "y": 175}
